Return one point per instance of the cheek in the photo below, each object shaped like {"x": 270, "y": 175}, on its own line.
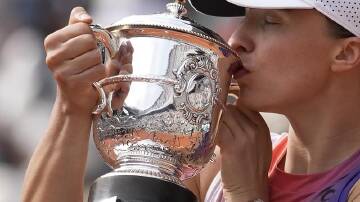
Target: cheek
{"x": 286, "y": 75}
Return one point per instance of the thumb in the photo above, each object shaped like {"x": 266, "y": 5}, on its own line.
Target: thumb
{"x": 79, "y": 14}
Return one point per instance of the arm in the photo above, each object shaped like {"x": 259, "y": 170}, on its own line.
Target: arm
{"x": 56, "y": 169}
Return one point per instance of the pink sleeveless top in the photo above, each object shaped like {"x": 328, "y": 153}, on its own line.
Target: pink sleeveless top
{"x": 331, "y": 186}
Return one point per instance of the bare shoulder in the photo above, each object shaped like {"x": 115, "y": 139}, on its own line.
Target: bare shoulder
{"x": 200, "y": 183}
{"x": 354, "y": 194}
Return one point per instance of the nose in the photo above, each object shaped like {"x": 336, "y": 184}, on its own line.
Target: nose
{"x": 241, "y": 41}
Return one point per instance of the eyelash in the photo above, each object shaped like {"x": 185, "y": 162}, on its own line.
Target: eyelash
{"x": 266, "y": 21}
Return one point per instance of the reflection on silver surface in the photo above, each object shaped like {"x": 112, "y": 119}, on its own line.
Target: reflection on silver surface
{"x": 166, "y": 126}
{"x": 167, "y": 118}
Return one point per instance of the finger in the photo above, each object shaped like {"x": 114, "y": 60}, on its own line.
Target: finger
{"x": 91, "y": 74}
{"x": 118, "y": 88}
{"x": 258, "y": 121}
{"x": 127, "y": 58}
{"x": 79, "y": 64}
{"x": 120, "y": 96}
{"x": 118, "y": 101}
{"x": 129, "y": 46}
{"x": 121, "y": 90}
{"x": 84, "y": 62}
{"x": 79, "y": 45}
{"x": 57, "y": 38}
{"x": 124, "y": 55}
{"x": 237, "y": 119}
{"x": 121, "y": 61}
{"x": 79, "y": 14}
{"x": 126, "y": 69}
{"x": 224, "y": 137}
{"x": 254, "y": 116}
{"x": 73, "y": 48}
{"x": 112, "y": 68}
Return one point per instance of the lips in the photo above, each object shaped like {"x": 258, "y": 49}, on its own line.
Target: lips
{"x": 238, "y": 70}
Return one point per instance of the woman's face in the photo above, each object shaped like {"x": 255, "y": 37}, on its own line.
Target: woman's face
{"x": 288, "y": 54}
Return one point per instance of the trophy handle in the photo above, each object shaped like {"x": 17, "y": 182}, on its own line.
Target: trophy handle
{"x": 107, "y": 43}
{"x": 106, "y": 101}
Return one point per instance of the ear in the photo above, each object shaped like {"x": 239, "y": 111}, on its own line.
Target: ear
{"x": 347, "y": 55}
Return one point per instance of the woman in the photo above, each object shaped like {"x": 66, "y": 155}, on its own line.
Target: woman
{"x": 296, "y": 61}
{"x": 302, "y": 62}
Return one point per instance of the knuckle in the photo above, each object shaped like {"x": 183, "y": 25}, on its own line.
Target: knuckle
{"x": 59, "y": 76}
{"x": 51, "y": 59}
{"x": 54, "y": 57}
{"x": 90, "y": 39}
{"x": 49, "y": 41}
{"x": 93, "y": 58}
{"x": 83, "y": 27}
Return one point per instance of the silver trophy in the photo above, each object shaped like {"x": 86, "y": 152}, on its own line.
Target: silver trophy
{"x": 166, "y": 126}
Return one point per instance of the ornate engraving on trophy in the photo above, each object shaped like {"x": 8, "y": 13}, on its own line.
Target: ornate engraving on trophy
{"x": 193, "y": 100}
{"x": 198, "y": 85}
{"x": 175, "y": 127}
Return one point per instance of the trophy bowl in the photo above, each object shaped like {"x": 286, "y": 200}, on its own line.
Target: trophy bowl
{"x": 165, "y": 129}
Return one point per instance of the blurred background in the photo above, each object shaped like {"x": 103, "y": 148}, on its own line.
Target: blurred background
{"x": 27, "y": 90}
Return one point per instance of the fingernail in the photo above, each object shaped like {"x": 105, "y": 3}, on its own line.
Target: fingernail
{"x": 129, "y": 47}
{"x": 122, "y": 51}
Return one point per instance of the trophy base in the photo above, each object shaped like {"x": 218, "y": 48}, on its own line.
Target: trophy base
{"x": 131, "y": 188}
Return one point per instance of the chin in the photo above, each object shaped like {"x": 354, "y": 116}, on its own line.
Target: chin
{"x": 258, "y": 103}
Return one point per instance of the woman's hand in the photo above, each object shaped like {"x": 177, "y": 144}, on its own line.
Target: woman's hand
{"x": 75, "y": 63}
{"x": 245, "y": 143}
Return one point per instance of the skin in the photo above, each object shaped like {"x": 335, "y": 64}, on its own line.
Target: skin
{"x": 287, "y": 76}
{"x": 56, "y": 169}
{"x": 309, "y": 76}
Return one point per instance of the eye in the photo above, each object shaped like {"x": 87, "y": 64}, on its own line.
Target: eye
{"x": 269, "y": 20}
